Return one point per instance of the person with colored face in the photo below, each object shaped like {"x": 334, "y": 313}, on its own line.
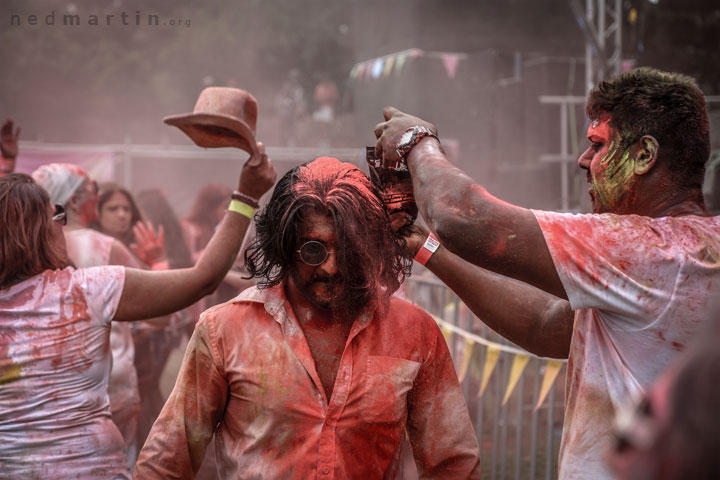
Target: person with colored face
{"x": 619, "y": 292}
{"x": 115, "y": 215}
{"x": 318, "y": 371}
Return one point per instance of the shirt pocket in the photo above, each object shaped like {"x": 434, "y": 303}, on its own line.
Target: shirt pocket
{"x": 387, "y": 381}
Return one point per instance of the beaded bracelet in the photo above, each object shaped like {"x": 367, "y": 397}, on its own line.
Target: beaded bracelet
{"x": 237, "y": 195}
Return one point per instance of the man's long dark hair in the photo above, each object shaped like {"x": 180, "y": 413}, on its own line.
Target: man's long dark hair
{"x": 369, "y": 255}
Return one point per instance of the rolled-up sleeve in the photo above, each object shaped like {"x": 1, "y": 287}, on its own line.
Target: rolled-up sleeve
{"x": 441, "y": 433}
{"x": 176, "y": 445}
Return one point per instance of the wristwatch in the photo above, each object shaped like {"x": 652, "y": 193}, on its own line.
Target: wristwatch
{"x": 412, "y": 137}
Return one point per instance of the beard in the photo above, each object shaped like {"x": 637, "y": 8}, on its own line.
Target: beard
{"x": 332, "y": 293}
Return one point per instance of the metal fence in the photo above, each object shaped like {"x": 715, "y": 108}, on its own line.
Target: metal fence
{"x": 517, "y": 440}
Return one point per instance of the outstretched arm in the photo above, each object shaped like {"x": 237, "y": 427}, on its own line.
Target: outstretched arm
{"x": 148, "y": 294}
{"x": 468, "y": 220}
{"x": 535, "y": 320}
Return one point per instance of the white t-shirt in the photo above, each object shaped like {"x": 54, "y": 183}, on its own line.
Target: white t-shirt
{"x": 89, "y": 248}
{"x": 54, "y": 366}
{"x": 640, "y": 288}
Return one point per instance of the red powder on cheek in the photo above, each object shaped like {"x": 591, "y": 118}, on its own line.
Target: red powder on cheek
{"x": 601, "y": 127}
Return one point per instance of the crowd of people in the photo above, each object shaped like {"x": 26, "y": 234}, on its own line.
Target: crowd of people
{"x": 306, "y": 365}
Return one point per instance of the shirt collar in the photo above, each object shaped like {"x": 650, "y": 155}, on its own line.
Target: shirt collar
{"x": 274, "y": 299}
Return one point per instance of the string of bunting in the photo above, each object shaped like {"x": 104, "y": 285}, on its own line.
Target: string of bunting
{"x": 492, "y": 354}
{"x": 393, "y": 63}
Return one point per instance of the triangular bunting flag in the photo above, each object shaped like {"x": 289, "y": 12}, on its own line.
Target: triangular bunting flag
{"x": 377, "y": 67}
{"x": 519, "y": 364}
{"x": 551, "y": 372}
{"x": 446, "y": 333}
{"x": 400, "y": 62}
{"x": 368, "y": 70}
{"x": 360, "y": 71}
{"x": 491, "y": 358}
{"x": 389, "y": 63}
{"x": 354, "y": 71}
{"x": 449, "y": 310}
{"x": 451, "y": 60}
{"x": 467, "y": 355}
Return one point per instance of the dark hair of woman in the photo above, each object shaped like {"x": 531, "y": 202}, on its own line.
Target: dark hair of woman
{"x": 26, "y": 248}
{"x": 107, "y": 190}
{"x": 157, "y": 209}
{"x": 207, "y": 200}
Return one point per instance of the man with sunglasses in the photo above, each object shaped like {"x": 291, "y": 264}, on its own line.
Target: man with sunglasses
{"x": 318, "y": 372}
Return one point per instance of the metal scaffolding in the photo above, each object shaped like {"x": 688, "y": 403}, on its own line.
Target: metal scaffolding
{"x": 601, "y": 23}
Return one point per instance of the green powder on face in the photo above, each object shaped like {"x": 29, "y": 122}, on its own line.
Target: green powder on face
{"x": 613, "y": 183}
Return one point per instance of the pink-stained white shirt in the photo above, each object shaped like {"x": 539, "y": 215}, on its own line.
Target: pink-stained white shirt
{"x": 641, "y": 289}
{"x": 89, "y": 248}
{"x": 249, "y": 372}
{"x": 54, "y": 366}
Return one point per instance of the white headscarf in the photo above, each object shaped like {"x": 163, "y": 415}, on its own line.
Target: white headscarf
{"x": 60, "y": 180}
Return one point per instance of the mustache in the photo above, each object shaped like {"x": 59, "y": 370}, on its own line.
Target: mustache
{"x": 326, "y": 279}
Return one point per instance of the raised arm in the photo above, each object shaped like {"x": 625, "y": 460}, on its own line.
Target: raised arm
{"x": 468, "y": 220}
{"x": 535, "y": 320}
{"x": 148, "y": 294}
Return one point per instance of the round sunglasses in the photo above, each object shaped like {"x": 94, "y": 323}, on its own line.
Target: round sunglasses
{"x": 313, "y": 253}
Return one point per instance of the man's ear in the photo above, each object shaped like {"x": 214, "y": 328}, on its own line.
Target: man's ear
{"x": 647, "y": 152}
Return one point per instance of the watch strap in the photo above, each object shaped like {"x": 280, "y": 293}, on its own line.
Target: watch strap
{"x": 417, "y": 133}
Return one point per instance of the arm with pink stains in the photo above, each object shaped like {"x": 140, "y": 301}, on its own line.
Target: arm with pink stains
{"x": 176, "y": 445}
{"x": 469, "y": 221}
{"x": 120, "y": 255}
{"x": 441, "y": 434}
{"x": 156, "y": 293}
{"x": 535, "y": 320}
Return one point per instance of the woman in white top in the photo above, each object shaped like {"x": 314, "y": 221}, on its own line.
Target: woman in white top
{"x": 54, "y": 330}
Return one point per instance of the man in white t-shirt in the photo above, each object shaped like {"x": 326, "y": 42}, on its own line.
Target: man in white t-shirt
{"x": 620, "y": 291}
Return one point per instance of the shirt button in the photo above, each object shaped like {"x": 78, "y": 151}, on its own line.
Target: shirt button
{"x": 326, "y": 470}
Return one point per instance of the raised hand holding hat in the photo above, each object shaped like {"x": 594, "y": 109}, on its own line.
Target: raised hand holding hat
{"x": 222, "y": 117}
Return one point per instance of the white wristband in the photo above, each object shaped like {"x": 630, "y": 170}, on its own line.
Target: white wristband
{"x": 429, "y": 247}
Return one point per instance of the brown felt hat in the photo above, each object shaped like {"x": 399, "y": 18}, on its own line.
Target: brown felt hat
{"x": 222, "y": 117}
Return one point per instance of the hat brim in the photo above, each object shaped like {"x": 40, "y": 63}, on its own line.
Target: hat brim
{"x": 210, "y": 130}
